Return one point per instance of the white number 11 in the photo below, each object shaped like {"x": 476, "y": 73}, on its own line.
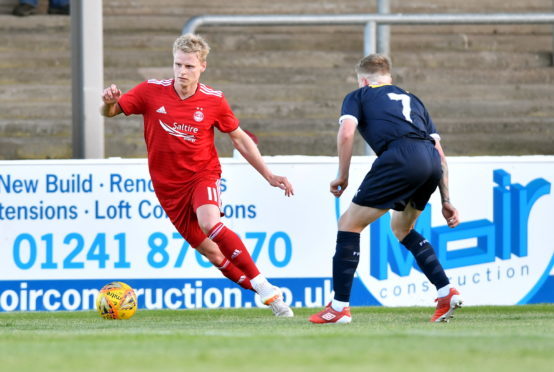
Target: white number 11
{"x": 406, "y": 106}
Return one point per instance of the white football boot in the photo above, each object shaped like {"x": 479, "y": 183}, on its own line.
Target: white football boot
{"x": 277, "y": 304}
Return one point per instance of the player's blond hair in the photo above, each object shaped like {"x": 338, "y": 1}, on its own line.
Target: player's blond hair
{"x": 374, "y": 66}
{"x": 191, "y": 43}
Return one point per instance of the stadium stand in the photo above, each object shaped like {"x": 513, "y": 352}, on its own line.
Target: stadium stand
{"x": 489, "y": 88}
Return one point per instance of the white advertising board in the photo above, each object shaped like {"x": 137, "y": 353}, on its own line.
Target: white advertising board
{"x": 68, "y": 227}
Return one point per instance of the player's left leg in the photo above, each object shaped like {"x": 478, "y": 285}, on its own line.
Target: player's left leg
{"x": 402, "y": 224}
{"x": 211, "y": 251}
{"x": 232, "y": 247}
{"x": 345, "y": 262}
{"x": 228, "y": 242}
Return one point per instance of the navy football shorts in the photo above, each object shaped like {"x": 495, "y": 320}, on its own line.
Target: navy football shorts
{"x": 409, "y": 171}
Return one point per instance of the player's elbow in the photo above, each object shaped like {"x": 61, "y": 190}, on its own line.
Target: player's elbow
{"x": 346, "y": 132}
{"x": 345, "y": 136}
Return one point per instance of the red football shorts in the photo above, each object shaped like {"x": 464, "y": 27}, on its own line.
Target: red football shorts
{"x": 181, "y": 206}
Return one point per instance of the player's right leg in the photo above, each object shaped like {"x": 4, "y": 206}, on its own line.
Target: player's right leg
{"x": 234, "y": 250}
{"x": 331, "y": 316}
{"x": 446, "y": 306}
{"x": 448, "y": 298}
{"x": 345, "y": 262}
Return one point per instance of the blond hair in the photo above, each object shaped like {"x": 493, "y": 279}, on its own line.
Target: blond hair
{"x": 191, "y": 43}
{"x": 374, "y": 66}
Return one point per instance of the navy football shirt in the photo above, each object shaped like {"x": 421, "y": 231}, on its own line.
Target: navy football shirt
{"x": 385, "y": 113}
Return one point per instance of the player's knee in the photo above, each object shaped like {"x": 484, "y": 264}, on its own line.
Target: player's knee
{"x": 342, "y": 222}
{"x": 208, "y": 216}
{"x": 400, "y": 232}
{"x": 206, "y": 224}
{"x": 347, "y": 223}
{"x": 205, "y": 227}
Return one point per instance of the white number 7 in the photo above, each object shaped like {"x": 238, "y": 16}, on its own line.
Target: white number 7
{"x": 405, "y": 100}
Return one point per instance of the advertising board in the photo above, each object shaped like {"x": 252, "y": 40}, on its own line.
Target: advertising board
{"x": 69, "y": 227}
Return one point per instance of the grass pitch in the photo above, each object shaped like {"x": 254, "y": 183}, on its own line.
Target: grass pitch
{"x": 515, "y": 338}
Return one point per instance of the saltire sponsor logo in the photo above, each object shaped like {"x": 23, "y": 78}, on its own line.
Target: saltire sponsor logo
{"x": 177, "y": 133}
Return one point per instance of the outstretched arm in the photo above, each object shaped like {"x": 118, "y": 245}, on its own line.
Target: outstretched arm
{"x": 345, "y": 145}
{"x": 110, "y": 97}
{"x": 244, "y": 144}
{"x": 448, "y": 211}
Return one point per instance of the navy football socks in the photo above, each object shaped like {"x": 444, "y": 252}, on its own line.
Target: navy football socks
{"x": 345, "y": 262}
{"x": 426, "y": 258}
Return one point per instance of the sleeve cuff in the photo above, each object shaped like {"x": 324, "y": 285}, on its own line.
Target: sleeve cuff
{"x": 123, "y": 110}
{"x": 435, "y": 136}
{"x": 344, "y": 117}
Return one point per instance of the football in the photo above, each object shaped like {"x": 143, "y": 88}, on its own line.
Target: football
{"x": 116, "y": 300}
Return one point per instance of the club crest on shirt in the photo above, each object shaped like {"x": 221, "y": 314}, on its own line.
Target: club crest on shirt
{"x": 198, "y": 115}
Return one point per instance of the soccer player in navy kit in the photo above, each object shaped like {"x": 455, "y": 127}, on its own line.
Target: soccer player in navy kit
{"x": 410, "y": 165}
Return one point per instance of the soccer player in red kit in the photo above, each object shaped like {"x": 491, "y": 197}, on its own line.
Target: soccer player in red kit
{"x": 180, "y": 115}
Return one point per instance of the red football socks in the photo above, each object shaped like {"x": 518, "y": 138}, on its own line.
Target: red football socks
{"x": 233, "y": 273}
{"x": 233, "y": 249}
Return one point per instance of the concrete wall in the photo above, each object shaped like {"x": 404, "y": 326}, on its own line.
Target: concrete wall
{"x": 488, "y": 88}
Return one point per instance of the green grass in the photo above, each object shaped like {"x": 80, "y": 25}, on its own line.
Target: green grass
{"x": 515, "y": 338}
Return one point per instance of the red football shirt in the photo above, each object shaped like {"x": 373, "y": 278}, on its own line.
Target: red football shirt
{"x": 179, "y": 133}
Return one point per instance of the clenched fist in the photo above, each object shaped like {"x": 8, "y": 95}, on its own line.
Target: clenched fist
{"x": 111, "y": 95}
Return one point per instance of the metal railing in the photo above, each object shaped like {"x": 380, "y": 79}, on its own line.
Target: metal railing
{"x": 370, "y": 21}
